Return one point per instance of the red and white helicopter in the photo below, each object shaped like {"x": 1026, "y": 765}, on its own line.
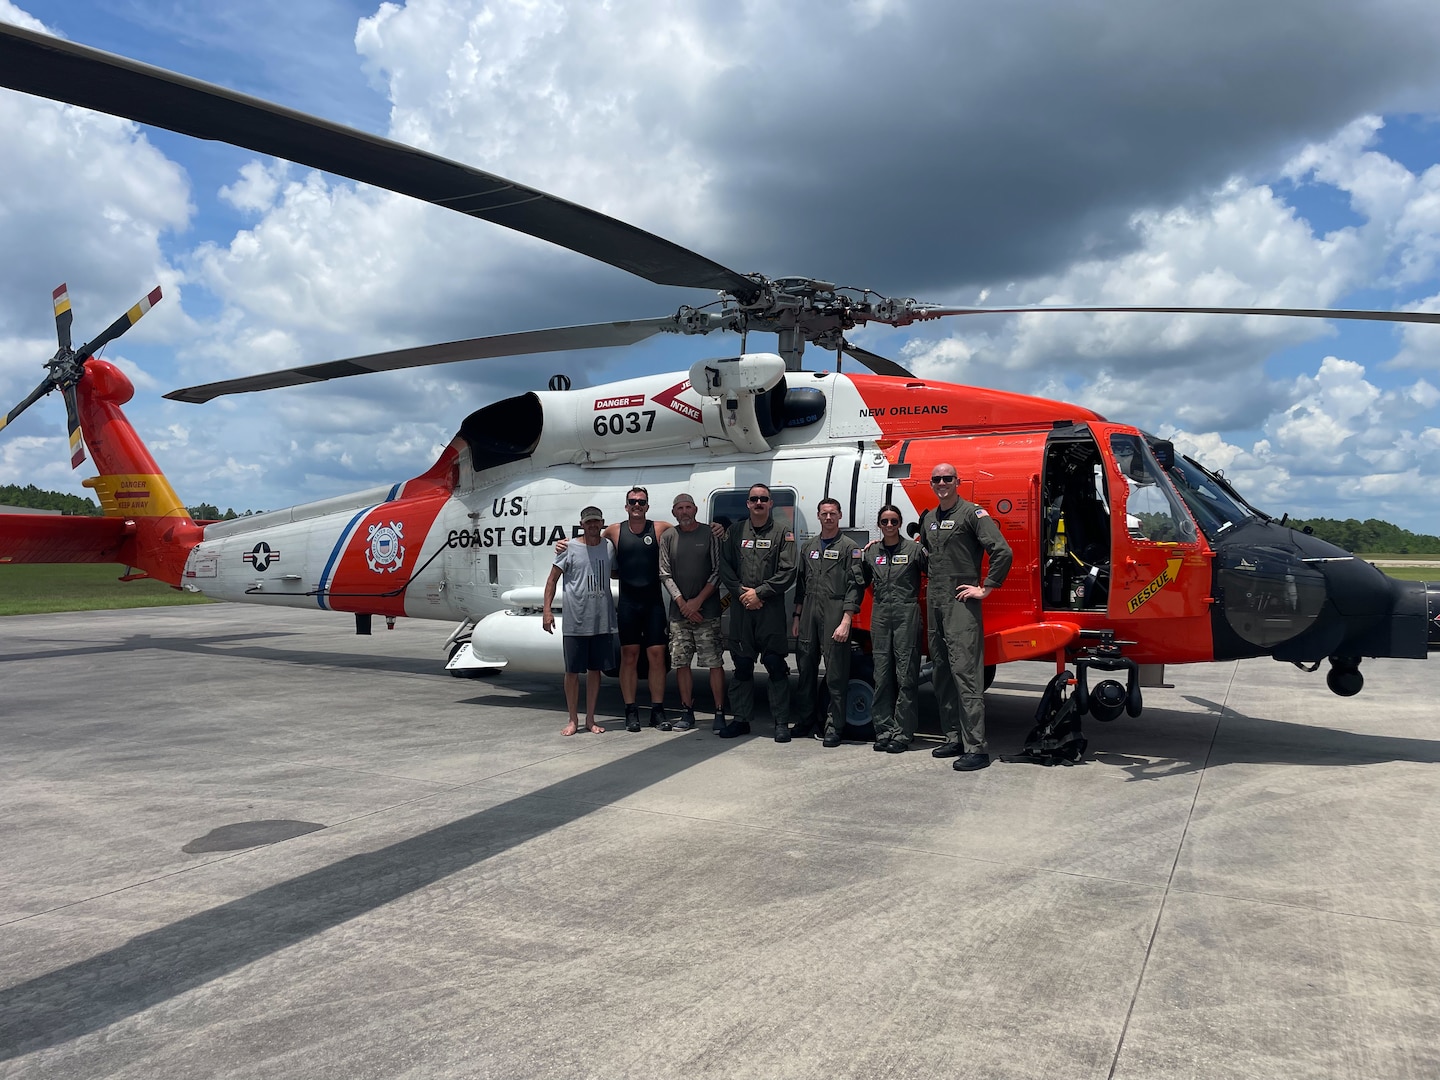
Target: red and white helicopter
{"x": 1127, "y": 556}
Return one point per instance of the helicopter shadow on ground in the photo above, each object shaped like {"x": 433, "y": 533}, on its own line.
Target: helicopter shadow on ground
{"x": 1171, "y": 742}
{"x": 154, "y": 967}
{"x": 223, "y": 645}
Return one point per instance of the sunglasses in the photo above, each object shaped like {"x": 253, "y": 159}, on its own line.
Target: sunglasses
{"x": 759, "y": 498}
{"x": 942, "y": 479}
{"x": 637, "y": 502}
{"x": 889, "y": 521}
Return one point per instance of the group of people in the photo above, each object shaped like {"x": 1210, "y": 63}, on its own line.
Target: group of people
{"x": 757, "y": 560}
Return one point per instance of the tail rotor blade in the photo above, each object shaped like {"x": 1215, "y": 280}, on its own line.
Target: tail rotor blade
{"x": 63, "y": 316}
{"x": 123, "y": 323}
{"x": 46, "y": 385}
{"x": 72, "y": 418}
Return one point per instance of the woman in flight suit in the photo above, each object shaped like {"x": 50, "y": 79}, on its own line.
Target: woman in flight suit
{"x": 893, "y": 565}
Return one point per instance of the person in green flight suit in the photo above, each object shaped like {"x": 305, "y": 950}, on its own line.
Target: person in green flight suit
{"x": 757, "y": 565}
{"x": 893, "y": 565}
{"x": 956, "y": 534}
{"x": 829, "y": 586}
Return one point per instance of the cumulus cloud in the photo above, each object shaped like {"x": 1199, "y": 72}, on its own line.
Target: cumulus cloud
{"x": 1039, "y": 152}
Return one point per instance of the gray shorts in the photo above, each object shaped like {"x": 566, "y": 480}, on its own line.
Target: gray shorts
{"x": 590, "y": 652}
{"x": 698, "y": 640}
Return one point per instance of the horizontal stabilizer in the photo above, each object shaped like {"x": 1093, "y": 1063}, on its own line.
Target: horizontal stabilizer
{"x": 56, "y": 538}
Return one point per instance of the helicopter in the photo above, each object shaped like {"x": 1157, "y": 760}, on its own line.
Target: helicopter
{"x": 1128, "y": 556}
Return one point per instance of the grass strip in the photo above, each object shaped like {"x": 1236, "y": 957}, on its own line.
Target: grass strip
{"x": 38, "y": 588}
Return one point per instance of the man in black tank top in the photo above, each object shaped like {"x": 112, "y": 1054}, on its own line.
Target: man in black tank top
{"x": 643, "y": 620}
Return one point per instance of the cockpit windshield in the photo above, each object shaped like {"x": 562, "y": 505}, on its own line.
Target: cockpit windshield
{"x": 1212, "y": 506}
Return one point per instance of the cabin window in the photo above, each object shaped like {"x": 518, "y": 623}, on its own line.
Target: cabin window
{"x": 729, "y": 506}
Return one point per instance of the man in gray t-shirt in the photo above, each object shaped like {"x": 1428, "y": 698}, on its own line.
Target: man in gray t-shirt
{"x": 690, "y": 573}
{"x": 589, "y": 611}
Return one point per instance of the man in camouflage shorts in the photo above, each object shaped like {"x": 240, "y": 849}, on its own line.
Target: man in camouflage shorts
{"x": 689, "y": 572}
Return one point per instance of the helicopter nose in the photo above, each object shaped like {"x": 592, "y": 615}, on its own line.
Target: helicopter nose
{"x": 1301, "y": 599}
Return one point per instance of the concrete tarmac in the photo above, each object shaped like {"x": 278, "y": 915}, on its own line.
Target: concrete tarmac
{"x": 238, "y": 842}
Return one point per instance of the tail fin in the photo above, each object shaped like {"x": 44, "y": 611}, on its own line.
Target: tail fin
{"x": 149, "y": 529}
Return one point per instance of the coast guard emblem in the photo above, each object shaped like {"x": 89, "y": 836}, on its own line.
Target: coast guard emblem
{"x": 386, "y": 554}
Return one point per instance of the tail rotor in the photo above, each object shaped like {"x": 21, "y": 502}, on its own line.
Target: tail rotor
{"x": 67, "y": 367}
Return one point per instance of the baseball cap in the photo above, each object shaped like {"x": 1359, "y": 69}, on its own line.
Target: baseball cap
{"x": 591, "y": 513}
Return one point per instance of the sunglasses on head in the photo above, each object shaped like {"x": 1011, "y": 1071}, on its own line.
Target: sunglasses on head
{"x": 759, "y": 498}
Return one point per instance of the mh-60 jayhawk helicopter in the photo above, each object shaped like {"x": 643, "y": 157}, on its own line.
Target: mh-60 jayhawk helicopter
{"x": 1127, "y": 555}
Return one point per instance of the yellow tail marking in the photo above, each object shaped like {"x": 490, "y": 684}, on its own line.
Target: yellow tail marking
{"x": 131, "y": 495}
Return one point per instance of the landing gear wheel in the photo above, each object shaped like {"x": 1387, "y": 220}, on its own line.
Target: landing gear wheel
{"x": 989, "y": 674}
{"x": 1345, "y": 681}
{"x": 859, "y": 710}
{"x": 859, "y": 704}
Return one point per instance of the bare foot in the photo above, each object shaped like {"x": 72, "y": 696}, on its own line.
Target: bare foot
{"x": 570, "y": 728}
{"x": 594, "y": 728}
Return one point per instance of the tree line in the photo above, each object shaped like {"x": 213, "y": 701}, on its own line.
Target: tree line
{"x": 34, "y": 498}
{"x": 1372, "y": 534}
{"x": 1369, "y": 535}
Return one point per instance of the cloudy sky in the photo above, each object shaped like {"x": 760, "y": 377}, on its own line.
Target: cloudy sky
{"x": 1214, "y": 152}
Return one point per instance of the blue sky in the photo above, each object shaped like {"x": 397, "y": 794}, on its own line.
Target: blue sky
{"x": 1040, "y": 152}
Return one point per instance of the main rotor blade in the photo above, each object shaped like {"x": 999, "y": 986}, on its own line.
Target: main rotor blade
{"x": 46, "y": 385}
{"x": 922, "y": 313}
{"x": 555, "y": 339}
{"x": 120, "y": 325}
{"x": 63, "y": 315}
{"x": 72, "y": 417}
{"x": 61, "y": 70}
{"x": 875, "y": 362}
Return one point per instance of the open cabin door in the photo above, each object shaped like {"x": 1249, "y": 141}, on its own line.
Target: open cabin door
{"x": 1159, "y": 567}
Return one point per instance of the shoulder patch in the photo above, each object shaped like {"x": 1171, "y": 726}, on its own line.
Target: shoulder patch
{"x": 790, "y": 536}
{"x": 980, "y": 512}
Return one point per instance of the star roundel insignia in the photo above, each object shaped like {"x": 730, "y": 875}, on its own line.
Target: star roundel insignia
{"x": 261, "y": 556}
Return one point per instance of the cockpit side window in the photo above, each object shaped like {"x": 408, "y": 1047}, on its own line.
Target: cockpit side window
{"x": 1152, "y": 509}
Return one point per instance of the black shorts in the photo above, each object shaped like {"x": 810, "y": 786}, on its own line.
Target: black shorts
{"x": 643, "y": 621}
{"x": 590, "y": 652}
